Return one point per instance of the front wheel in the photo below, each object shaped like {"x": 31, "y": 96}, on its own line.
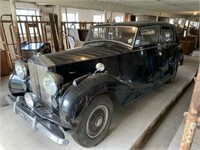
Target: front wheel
{"x": 95, "y": 122}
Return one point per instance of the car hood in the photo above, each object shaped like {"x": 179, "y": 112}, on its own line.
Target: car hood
{"x": 87, "y": 52}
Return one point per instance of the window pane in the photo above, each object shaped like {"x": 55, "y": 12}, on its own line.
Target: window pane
{"x": 70, "y": 17}
{"x": 119, "y": 19}
{"x": 167, "y": 34}
{"x": 147, "y": 36}
{"x": 125, "y": 35}
{"x": 99, "y": 18}
{"x": 64, "y": 17}
{"x": 26, "y": 12}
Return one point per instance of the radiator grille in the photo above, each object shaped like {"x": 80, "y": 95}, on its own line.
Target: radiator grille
{"x": 36, "y": 72}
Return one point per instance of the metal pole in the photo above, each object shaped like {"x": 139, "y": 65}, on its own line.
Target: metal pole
{"x": 15, "y": 26}
{"x": 192, "y": 116}
{"x": 111, "y": 17}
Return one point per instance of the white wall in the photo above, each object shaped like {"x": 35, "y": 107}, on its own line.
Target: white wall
{"x": 84, "y": 14}
{"x": 112, "y": 15}
{"x": 142, "y": 18}
{"x": 87, "y": 15}
{"x": 5, "y": 7}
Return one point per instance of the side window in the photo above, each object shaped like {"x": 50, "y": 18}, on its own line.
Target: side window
{"x": 167, "y": 34}
{"x": 147, "y": 36}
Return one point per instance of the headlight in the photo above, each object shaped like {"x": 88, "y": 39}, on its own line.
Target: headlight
{"x": 21, "y": 69}
{"x": 51, "y": 82}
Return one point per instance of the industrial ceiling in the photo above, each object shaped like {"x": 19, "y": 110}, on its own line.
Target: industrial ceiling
{"x": 174, "y": 8}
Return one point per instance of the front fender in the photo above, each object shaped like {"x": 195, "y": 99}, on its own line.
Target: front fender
{"x": 76, "y": 98}
{"x": 17, "y": 86}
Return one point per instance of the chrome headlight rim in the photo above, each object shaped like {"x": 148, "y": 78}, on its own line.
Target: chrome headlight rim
{"x": 51, "y": 82}
{"x": 21, "y": 69}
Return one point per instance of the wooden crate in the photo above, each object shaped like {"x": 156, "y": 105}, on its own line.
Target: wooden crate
{"x": 5, "y": 67}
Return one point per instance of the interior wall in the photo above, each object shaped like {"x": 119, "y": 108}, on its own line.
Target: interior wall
{"x": 112, "y": 15}
{"x": 151, "y": 18}
{"x": 142, "y": 17}
{"x": 5, "y": 7}
{"x": 44, "y": 12}
{"x": 87, "y": 15}
{"x": 84, "y": 14}
{"x": 163, "y": 19}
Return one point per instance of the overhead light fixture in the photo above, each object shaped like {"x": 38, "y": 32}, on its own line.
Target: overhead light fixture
{"x": 195, "y": 13}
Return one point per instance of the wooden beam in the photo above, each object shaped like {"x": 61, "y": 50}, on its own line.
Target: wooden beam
{"x": 15, "y": 26}
{"x": 60, "y": 39}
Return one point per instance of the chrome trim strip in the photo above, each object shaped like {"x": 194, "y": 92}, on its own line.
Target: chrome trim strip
{"x": 34, "y": 79}
{"x": 35, "y": 123}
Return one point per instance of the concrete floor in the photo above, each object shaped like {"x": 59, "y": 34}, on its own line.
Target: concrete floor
{"x": 128, "y": 125}
{"x": 166, "y": 131}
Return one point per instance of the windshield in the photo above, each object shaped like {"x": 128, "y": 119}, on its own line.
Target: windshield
{"x": 121, "y": 34}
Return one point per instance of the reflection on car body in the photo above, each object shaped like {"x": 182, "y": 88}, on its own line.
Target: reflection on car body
{"x": 74, "y": 90}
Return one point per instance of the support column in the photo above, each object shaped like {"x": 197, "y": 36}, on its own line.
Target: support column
{"x": 111, "y": 17}
{"x": 192, "y": 116}
{"x": 157, "y": 18}
{"x": 15, "y": 26}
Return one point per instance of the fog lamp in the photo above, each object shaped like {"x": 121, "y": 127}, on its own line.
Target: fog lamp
{"x": 30, "y": 99}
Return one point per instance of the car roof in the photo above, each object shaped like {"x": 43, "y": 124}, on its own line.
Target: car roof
{"x": 136, "y": 24}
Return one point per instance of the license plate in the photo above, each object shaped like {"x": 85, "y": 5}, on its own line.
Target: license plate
{"x": 26, "y": 118}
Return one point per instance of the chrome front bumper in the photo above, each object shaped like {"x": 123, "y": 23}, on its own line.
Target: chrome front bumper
{"x": 52, "y": 131}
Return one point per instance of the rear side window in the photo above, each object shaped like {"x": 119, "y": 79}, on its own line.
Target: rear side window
{"x": 147, "y": 36}
{"x": 167, "y": 34}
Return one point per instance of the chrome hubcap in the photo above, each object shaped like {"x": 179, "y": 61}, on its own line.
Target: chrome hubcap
{"x": 97, "y": 121}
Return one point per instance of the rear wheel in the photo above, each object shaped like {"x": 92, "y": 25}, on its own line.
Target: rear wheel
{"x": 95, "y": 122}
{"x": 174, "y": 71}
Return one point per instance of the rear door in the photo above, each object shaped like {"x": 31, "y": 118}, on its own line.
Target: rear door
{"x": 167, "y": 45}
{"x": 147, "y": 44}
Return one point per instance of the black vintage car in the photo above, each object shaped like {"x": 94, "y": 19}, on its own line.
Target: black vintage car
{"x": 73, "y": 90}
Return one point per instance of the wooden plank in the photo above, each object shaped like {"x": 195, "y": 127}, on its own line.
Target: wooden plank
{"x": 5, "y": 69}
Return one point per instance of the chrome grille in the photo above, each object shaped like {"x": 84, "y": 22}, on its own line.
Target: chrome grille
{"x": 36, "y": 71}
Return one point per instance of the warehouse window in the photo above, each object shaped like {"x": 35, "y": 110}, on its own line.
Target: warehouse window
{"x": 70, "y": 17}
{"x": 26, "y": 15}
{"x": 119, "y": 19}
{"x": 31, "y": 12}
{"x": 99, "y": 18}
